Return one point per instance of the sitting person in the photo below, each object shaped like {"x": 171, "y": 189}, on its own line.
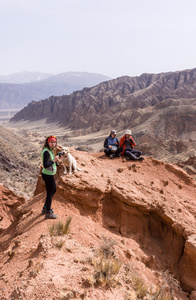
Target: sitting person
{"x": 111, "y": 145}
{"x": 128, "y": 143}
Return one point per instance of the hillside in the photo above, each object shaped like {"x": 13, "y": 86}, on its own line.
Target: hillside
{"x": 159, "y": 108}
{"x": 19, "y": 161}
{"x": 139, "y": 217}
{"x": 126, "y": 102}
{"x": 18, "y": 95}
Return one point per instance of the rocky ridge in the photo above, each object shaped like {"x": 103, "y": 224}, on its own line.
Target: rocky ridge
{"x": 147, "y": 208}
{"x": 162, "y": 105}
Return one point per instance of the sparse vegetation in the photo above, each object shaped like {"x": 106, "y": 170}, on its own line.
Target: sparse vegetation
{"x": 106, "y": 266}
{"x": 60, "y": 228}
{"x": 142, "y": 290}
{"x": 106, "y": 269}
{"x": 139, "y": 286}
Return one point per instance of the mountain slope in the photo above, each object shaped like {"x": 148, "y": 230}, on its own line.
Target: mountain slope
{"x": 163, "y": 104}
{"x": 19, "y": 161}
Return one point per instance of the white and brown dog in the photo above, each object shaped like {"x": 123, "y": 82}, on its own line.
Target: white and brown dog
{"x": 68, "y": 161}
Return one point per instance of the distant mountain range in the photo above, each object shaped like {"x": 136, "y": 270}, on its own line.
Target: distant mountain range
{"x": 19, "y": 89}
{"x": 24, "y": 77}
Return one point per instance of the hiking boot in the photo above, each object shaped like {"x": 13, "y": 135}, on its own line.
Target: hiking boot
{"x": 127, "y": 157}
{"x": 112, "y": 156}
{"x": 141, "y": 158}
{"x": 44, "y": 210}
{"x": 50, "y": 215}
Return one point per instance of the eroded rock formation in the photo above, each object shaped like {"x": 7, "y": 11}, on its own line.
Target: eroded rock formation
{"x": 152, "y": 203}
{"x": 162, "y": 104}
{"x": 147, "y": 208}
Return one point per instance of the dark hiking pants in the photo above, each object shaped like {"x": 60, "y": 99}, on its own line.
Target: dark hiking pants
{"x": 50, "y": 189}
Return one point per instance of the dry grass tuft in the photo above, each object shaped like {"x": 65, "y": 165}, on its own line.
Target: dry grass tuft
{"x": 59, "y": 228}
{"x": 165, "y": 292}
{"x": 106, "y": 269}
{"x": 106, "y": 266}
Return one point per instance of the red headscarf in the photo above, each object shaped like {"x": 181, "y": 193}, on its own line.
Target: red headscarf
{"x": 51, "y": 139}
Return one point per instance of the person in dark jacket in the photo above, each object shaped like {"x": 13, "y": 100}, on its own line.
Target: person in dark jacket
{"x": 111, "y": 145}
{"x": 127, "y": 143}
{"x": 49, "y": 163}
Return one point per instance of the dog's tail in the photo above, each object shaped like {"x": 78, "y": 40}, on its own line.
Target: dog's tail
{"x": 78, "y": 169}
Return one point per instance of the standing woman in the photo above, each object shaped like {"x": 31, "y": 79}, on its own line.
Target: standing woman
{"x": 49, "y": 170}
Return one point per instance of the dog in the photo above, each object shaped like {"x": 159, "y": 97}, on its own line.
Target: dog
{"x": 68, "y": 161}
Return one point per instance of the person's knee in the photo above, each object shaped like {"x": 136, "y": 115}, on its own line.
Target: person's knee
{"x": 107, "y": 152}
{"x": 128, "y": 154}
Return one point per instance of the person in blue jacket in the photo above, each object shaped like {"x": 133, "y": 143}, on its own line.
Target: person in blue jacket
{"x": 111, "y": 145}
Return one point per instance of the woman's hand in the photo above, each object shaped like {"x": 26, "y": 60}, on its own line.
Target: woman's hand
{"x": 56, "y": 158}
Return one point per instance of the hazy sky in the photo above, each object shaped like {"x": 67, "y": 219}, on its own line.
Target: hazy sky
{"x": 110, "y": 37}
